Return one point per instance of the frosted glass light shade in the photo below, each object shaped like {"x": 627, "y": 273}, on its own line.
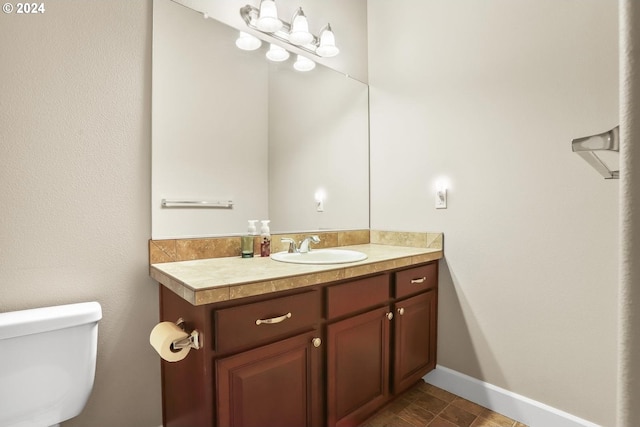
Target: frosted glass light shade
{"x": 304, "y": 64}
{"x": 247, "y": 42}
{"x": 327, "y": 47}
{"x": 277, "y": 53}
{"x": 299, "y": 33}
{"x": 268, "y": 17}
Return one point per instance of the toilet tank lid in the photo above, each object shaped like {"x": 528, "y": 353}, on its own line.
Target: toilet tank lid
{"x": 44, "y": 319}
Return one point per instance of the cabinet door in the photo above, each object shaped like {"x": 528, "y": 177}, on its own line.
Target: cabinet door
{"x": 357, "y": 367}
{"x": 276, "y": 385}
{"x": 415, "y": 339}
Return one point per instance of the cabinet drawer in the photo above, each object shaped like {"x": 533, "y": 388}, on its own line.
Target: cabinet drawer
{"x": 416, "y": 279}
{"x": 357, "y": 295}
{"x": 257, "y": 323}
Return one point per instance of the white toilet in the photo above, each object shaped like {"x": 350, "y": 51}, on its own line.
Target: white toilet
{"x": 47, "y": 363}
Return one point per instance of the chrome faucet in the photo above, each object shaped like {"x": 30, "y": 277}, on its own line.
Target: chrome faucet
{"x": 293, "y": 249}
{"x": 304, "y": 245}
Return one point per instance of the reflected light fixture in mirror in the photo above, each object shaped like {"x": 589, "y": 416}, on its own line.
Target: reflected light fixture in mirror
{"x": 248, "y": 42}
{"x": 304, "y": 64}
{"x": 268, "y": 17}
{"x": 277, "y": 53}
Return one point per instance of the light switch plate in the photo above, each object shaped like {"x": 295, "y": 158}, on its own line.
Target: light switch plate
{"x": 441, "y": 199}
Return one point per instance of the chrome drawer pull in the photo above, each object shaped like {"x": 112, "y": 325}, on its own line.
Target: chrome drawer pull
{"x": 274, "y": 319}
{"x": 420, "y": 280}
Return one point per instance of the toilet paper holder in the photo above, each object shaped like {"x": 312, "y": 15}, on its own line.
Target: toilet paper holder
{"x": 194, "y": 340}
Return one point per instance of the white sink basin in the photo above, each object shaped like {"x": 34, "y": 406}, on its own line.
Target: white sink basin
{"x": 320, "y": 256}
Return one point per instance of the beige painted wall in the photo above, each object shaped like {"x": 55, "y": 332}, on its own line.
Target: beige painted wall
{"x": 488, "y": 96}
{"x": 75, "y": 95}
{"x": 528, "y": 291}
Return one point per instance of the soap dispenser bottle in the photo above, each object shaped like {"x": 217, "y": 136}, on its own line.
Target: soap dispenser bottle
{"x": 247, "y": 241}
{"x": 265, "y": 238}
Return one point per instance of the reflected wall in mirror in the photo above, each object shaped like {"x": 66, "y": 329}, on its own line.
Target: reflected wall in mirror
{"x": 230, "y": 125}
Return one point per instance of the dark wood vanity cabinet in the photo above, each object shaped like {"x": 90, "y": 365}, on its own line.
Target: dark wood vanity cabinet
{"x": 357, "y": 366}
{"x": 415, "y": 325}
{"x": 273, "y": 385}
{"x": 414, "y": 340}
{"x": 381, "y": 342}
{"x": 358, "y": 349}
{"x": 261, "y": 363}
{"x": 325, "y": 355}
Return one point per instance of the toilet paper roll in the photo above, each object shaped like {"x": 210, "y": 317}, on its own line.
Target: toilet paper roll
{"x": 162, "y": 335}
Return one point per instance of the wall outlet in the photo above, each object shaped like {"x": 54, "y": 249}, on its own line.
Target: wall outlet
{"x": 441, "y": 199}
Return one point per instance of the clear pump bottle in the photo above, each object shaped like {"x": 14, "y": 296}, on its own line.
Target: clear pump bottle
{"x": 246, "y": 245}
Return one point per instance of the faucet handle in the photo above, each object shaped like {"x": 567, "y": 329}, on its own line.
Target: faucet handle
{"x": 292, "y": 244}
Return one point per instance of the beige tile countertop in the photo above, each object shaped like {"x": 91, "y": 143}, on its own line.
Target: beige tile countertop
{"x": 213, "y": 280}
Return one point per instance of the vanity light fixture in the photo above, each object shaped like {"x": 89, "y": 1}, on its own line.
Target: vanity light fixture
{"x": 296, "y": 34}
{"x": 277, "y": 53}
{"x": 299, "y": 34}
{"x": 327, "y": 47}
{"x": 248, "y": 42}
{"x": 267, "y": 19}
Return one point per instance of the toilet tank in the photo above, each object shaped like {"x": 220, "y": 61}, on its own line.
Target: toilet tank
{"x": 47, "y": 363}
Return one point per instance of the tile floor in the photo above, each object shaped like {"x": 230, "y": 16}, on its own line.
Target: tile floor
{"x": 426, "y": 405}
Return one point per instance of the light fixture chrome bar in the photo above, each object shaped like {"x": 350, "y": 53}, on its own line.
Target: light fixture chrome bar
{"x": 220, "y": 204}
{"x": 587, "y": 148}
{"x": 250, "y": 15}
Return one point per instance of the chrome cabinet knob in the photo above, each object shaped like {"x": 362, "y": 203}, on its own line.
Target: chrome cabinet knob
{"x": 401, "y": 311}
{"x": 317, "y": 342}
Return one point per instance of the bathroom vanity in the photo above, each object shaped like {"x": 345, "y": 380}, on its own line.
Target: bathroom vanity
{"x": 298, "y": 345}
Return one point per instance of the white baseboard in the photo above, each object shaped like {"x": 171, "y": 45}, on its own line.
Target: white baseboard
{"x": 515, "y": 406}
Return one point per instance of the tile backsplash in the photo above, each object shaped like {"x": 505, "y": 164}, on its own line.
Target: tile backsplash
{"x": 408, "y": 238}
{"x": 172, "y": 250}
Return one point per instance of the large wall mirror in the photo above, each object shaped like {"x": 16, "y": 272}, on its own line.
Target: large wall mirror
{"x": 230, "y": 125}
